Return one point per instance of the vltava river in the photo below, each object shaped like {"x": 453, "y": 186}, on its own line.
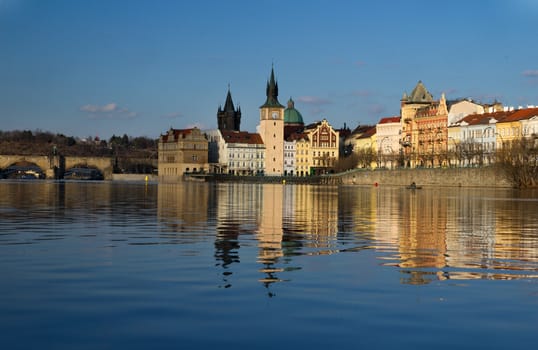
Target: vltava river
{"x": 107, "y": 265}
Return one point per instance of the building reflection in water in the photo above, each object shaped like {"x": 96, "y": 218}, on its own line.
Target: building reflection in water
{"x": 456, "y": 234}
{"x": 427, "y": 234}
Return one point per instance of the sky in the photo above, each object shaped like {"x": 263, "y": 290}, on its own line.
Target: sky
{"x": 112, "y": 67}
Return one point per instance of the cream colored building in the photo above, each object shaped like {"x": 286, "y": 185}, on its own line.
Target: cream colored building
{"x": 182, "y": 151}
{"x": 271, "y": 129}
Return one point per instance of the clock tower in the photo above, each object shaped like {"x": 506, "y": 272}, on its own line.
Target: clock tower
{"x": 271, "y": 129}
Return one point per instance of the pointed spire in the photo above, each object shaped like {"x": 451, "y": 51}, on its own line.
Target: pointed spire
{"x": 271, "y": 91}
{"x": 229, "y": 105}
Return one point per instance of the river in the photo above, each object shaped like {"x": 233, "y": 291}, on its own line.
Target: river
{"x": 109, "y": 265}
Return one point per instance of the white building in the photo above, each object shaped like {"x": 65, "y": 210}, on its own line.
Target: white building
{"x": 236, "y": 152}
{"x": 388, "y": 131}
{"x": 460, "y": 109}
{"x": 289, "y": 157}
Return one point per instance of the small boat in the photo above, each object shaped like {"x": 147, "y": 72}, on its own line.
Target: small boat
{"x": 413, "y": 186}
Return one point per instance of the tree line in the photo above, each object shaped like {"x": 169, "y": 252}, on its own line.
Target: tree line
{"x": 131, "y": 154}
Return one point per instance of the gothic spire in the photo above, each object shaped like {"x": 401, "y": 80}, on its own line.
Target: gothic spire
{"x": 271, "y": 91}
{"x": 229, "y": 105}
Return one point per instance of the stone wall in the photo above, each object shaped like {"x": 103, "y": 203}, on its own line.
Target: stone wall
{"x": 449, "y": 177}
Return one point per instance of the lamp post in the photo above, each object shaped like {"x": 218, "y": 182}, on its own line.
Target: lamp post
{"x": 482, "y": 145}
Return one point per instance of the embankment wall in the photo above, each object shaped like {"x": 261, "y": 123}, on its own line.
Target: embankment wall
{"x": 440, "y": 177}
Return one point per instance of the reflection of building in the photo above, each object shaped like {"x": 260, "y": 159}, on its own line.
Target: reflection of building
{"x": 183, "y": 207}
{"x": 182, "y": 151}
{"x": 270, "y": 227}
{"x": 314, "y": 215}
{"x": 422, "y": 241}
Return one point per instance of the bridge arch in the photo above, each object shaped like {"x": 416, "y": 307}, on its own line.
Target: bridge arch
{"x": 23, "y": 169}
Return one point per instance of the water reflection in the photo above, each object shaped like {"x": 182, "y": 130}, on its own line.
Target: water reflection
{"x": 427, "y": 234}
{"x": 269, "y": 229}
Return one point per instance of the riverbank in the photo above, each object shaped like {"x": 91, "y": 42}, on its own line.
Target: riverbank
{"x": 434, "y": 177}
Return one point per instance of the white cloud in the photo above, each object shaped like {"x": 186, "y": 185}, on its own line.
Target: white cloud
{"x": 313, "y": 100}
{"x": 530, "y": 73}
{"x": 107, "y": 111}
{"x": 175, "y": 115}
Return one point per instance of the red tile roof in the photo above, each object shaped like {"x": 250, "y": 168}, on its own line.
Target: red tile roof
{"x": 242, "y": 137}
{"x": 177, "y": 133}
{"x": 521, "y": 114}
{"x": 386, "y": 120}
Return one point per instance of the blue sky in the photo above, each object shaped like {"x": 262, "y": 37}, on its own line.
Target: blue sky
{"x": 98, "y": 68}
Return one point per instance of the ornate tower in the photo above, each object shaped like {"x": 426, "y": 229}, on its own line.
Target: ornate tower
{"x": 271, "y": 129}
{"x": 229, "y": 119}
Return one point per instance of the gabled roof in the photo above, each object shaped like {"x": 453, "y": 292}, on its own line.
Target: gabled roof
{"x": 368, "y": 133}
{"x": 419, "y": 94}
{"x": 176, "y": 133}
{"x": 361, "y": 129}
{"x": 521, "y": 114}
{"x": 485, "y": 118}
{"x": 297, "y": 136}
{"x": 241, "y": 137}
{"x": 387, "y": 120}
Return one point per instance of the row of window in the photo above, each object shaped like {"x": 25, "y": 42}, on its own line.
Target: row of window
{"x": 244, "y": 155}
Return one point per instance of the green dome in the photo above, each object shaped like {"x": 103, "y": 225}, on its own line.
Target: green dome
{"x": 291, "y": 115}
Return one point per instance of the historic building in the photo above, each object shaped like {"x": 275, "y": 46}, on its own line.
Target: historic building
{"x": 303, "y": 155}
{"x": 182, "y": 151}
{"x": 293, "y": 127}
{"x": 459, "y": 109}
{"x": 271, "y": 129}
{"x": 324, "y": 146}
{"x": 388, "y": 141}
{"x": 229, "y": 118}
{"x": 424, "y": 128}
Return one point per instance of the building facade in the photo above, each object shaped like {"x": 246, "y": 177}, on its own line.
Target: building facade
{"x": 388, "y": 141}
{"x": 182, "y": 151}
{"x": 324, "y": 147}
{"x": 424, "y": 128}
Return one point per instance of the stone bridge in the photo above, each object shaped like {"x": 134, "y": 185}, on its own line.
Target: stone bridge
{"x": 55, "y": 166}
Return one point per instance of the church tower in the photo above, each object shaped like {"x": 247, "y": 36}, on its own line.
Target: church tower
{"x": 229, "y": 119}
{"x": 271, "y": 129}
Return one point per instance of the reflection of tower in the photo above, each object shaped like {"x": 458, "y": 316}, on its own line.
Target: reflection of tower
{"x": 227, "y": 248}
{"x": 422, "y": 241}
{"x": 270, "y": 231}
{"x": 235, "y": 216}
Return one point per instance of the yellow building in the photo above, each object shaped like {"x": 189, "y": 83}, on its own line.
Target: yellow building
{"x": 364, "y": 142}
{"x": 182, "y": 151}
{"x": 324, "y": 147}
{"x": 424, "y": 128}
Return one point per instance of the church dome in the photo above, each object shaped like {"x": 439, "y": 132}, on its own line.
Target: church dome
{"x": 291, "y": 115}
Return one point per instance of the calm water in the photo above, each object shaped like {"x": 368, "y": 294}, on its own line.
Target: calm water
{"x": 240, "y": 266}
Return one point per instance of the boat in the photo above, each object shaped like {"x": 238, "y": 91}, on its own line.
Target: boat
{"x": 413, "y": 186}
